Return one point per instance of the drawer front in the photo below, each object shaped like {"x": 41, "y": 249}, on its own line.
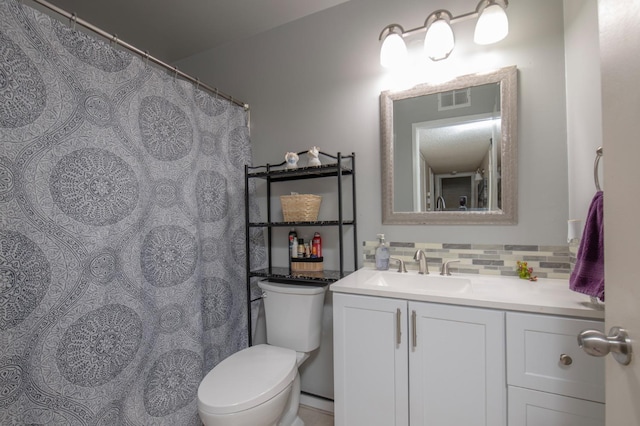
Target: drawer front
{"x": 533, "y": 408}
{"x": 543, "y": 354}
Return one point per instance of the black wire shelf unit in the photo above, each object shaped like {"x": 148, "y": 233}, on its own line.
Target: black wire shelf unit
{"x": 339, "y": 167}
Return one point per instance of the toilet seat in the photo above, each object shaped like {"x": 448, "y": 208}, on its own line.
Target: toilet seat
{"x": 246, "y": 379}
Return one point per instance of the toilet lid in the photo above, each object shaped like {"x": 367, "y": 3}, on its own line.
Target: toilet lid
{"x": 247, "y": 378}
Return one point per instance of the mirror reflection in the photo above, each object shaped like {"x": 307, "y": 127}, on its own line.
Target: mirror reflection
{"x": 447, "y": 150}
{"x": 449, "y": 142}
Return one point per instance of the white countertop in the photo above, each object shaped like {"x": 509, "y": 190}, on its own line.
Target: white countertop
{"x": 545, "y": 296}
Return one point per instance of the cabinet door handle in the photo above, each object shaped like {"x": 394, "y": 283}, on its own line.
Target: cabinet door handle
{"x": 414, "y": 330}
{"x": 398, "y": 331}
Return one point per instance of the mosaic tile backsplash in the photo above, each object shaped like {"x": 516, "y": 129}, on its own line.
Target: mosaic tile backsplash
{"x": 490, "y": 259}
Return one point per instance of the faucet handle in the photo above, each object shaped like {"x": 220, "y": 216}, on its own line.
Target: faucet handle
{"x": 445, "y": 267}
{"x": 401, "y": 266}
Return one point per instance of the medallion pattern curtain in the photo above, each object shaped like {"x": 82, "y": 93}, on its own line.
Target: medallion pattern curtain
{"x": 122, "y": 237}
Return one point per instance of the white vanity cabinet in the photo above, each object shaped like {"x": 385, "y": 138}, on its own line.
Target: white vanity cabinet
{"x": 551, "y": 381}
{"x": 413, "y": 349}
{"x": 401, "y": 362}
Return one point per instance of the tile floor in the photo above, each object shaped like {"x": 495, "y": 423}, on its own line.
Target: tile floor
{"x": 314, "y": 417}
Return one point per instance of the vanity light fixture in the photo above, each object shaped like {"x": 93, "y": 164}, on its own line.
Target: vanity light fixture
{"x": 492, "y": 26}
{"x": 439, "y": 40}
{"x": 393, "y": 52}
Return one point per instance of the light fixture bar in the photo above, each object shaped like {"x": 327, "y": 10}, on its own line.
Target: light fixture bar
{"x": 396, "y": 30}
{"x": 453, "y": 20}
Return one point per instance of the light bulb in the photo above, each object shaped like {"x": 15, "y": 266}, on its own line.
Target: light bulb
{"x": 439, "y": 41}
{"x": 492, "y": 25}
{"x": 393, "y": 52}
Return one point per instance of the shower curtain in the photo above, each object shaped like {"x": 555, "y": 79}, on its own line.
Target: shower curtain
{"x": 122, "y": 238}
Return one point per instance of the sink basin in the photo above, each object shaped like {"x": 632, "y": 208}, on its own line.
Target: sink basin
{"x": 419, "y": 283}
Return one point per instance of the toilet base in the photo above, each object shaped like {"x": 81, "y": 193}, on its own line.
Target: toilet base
{"x": 290, "y": 416}
{"x": 297, "y": 422}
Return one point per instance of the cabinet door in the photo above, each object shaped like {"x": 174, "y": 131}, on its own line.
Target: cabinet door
{"x": 456, "y": 364}
{"x": 534, "y": 408}
{"x": 370, "y": 361}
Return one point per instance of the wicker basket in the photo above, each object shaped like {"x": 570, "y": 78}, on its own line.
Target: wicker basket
{"x": 300, "y": 207}
{"x": 307, "y": 265}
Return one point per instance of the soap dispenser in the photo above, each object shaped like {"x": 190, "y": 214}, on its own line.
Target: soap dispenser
{"x": 382, "y": 255}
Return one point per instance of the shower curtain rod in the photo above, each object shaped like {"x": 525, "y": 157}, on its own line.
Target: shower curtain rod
{"x": 145, "y": 55}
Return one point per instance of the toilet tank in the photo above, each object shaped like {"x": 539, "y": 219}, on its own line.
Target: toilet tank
{"x": 293, "y": 314}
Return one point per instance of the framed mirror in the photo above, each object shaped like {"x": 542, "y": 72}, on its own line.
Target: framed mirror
{"x": 449, "y": 151}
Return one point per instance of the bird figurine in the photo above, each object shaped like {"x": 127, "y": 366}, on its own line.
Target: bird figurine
{"x": 314, "y": 161}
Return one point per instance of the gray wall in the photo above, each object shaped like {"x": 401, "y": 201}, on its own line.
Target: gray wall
{"x": 317, "y": 81}
{"x": 584, "y": 102}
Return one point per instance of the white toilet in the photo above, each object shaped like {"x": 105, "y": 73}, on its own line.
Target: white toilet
{"x": 260, "y": 385}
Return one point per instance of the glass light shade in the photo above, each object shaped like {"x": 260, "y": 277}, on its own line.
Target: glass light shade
{"x": 492, "y": 25}
{"x": 393, "y": 52}
{"x": 439, "y": 41}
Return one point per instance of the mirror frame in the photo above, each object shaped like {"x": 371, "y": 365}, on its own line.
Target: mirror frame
{"x": 507, "y": 77}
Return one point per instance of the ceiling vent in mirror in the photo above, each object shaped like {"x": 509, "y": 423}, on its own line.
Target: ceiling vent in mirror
{"x": 454, "y": 99}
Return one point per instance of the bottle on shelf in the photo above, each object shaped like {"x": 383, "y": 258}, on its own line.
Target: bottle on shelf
{"x": 293, "y": 243}
{"x": 382, "y": 255}
{"x": 300, "y": 247}
{"x": 316, "y": 245}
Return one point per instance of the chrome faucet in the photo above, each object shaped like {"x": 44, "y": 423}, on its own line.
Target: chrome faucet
{"x": 421, "y": 257}
{"x": 440, "y": 203}
{"x": 445, "y": 267}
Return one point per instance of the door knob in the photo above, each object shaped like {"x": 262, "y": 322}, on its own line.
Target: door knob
{"x": 596, "y": 343}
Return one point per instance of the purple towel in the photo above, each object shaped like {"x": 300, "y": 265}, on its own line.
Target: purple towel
{"x": 588, "y": 275}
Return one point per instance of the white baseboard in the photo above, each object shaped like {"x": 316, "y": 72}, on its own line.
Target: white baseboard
{"x": 316, "y": 402}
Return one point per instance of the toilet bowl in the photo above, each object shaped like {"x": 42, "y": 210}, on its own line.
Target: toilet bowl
{"x": 260, "y": 385}
{"x": 251, "y": 387}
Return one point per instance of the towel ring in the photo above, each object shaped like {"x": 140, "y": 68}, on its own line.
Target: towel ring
{"x": 599, "y": 154}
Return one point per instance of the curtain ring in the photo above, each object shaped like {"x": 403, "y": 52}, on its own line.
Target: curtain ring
{"x": 74, "y": 19}
{"x": 216, "y": 93}
{"x": 146, "y": 57}
{"x": 197, "y": 84}
{"x": 175, "y": 72}
{"x": 114, "y": 39}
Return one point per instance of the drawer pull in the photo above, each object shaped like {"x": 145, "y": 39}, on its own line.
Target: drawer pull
{"x": 565, "y": 359}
